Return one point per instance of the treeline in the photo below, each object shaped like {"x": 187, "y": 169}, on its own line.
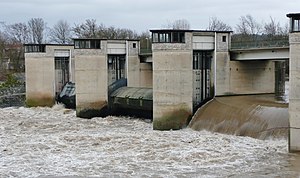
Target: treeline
{"x": 36, "y": 31}
{"x": 247, "y": 25}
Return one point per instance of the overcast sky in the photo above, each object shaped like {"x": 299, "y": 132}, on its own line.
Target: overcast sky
{"x": 142, "y": 15}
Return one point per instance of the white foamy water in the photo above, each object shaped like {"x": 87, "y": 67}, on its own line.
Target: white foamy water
{"x": 42, "y": 142}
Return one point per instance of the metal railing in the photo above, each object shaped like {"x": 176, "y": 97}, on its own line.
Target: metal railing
{"x": 247, "y": 42}
{"x": 260, "y": 42}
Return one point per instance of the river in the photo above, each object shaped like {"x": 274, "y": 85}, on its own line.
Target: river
{"x": 53, "y": 142}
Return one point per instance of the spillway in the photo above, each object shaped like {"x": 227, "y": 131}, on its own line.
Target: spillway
{"x": 258, "y": 116}
{"x": 132, "y": 101}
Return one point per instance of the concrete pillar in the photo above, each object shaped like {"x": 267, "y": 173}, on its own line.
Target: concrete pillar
{"x": 172, "y": 84}
{"x": 39, "y": 80}
{"x": 91, "y": 81}
{"x": 279, "y": 78}
{"x": 40, "y": 73}
{"x": 294, "y": 94}
{"x": 133, "y": 64}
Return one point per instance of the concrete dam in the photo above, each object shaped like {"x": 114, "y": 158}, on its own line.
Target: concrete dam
{"x": 258, "y": 116}
{"x": 190, "y": 78}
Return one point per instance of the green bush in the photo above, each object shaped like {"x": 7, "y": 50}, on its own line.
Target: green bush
{"x": 11, "y": 81}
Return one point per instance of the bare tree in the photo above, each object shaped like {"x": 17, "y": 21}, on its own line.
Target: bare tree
{"x": 274, "y": 28}
{"x": 217, "y": 25}
{"x": 248, "y": 26}
{"x": 18, "y": 33}
{"x": 90, "y": 29}
{"x": 285, "y": 29}
{"x": 86, "y": 30}
{"x": 61, "y": 33}
{"x": 37, "y": 28}
{"x": 180, "y": 24}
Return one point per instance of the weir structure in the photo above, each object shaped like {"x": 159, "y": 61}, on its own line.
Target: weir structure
{"x": 183, "y": 70}
{"x": 294, "y": 95}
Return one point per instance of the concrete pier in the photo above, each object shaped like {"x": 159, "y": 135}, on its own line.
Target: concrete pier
{"x": 172, "y": 82}
{"x": 43, "y": 66}
{"x": 294, "y": 95}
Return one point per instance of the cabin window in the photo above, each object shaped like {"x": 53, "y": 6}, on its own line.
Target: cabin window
{"x": 168, "y": 37}
{"x": 155, "y": 37}
{"x": 35, "y": 48}
{"x": 224, "y": 39}
{"x": 87, "y": 44}
{"x": 134, "y": 45}
{"x": 296, "y": 25}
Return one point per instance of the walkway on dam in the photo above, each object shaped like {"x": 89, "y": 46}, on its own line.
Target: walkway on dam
{"x": 251, "y": 48}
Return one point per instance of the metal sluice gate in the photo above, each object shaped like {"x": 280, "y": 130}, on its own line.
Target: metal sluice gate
{"x": 130, "y": 100}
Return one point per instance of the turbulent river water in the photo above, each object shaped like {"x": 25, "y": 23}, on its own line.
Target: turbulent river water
{"x": 53, "y": 142}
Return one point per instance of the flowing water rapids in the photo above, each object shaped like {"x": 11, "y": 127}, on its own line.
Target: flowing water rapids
{"x": 53, "y": 142}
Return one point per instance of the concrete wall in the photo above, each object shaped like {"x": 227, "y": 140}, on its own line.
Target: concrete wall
{"x": 294, "y": 94}
{"x": 40, "y": 81}
{"x": 91, "y": 81}
{"x": 241, "y": 77}
{"x": 146, "y": 75}
{"x": 133, "y": 61}
{"x": 40, "y": 76}
{"x": 172, "y": 84}
{"x": 91, "y": 70}
{"x": 245, "y": 77}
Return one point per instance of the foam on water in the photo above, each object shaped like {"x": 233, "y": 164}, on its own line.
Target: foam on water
{"x": 43, "y": 142}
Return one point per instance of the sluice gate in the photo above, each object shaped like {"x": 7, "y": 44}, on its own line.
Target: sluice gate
{"x": 132, "y": 101}
{"x": 257, "y": 116}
